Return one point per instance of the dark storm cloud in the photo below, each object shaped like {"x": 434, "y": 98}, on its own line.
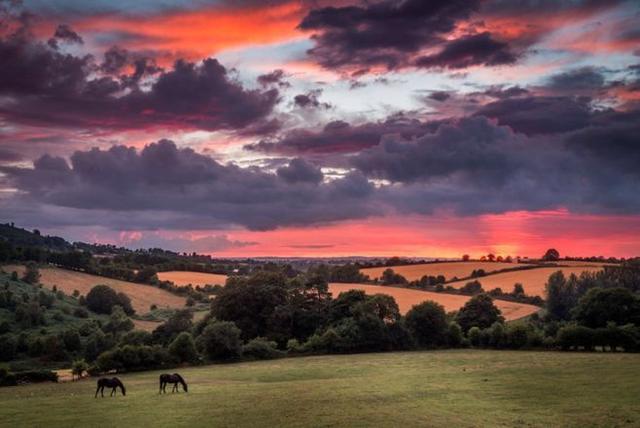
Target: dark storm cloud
{"x": 387, "y": 33}
{"x": 276, "y": 77}
{"x": 40, "y": 85}
{"x": 578, "y": 79}
{"x": 64, "y": 34}
{"x": 174, "y": 185}
{"x": 300, "y": 170}
{"x": 477, "y": 49}
{"x": 342, "y": 137}
{"x": 310, "y": 100}
{"x": 540, "y": 114}
{"x": 475, "y": 167}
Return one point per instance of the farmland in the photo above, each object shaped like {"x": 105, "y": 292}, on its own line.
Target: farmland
{"x": 184, "y": 278}
{"x": 407, "y": 298}
{"x": 448, "y": 269}
{"x": 466, "y": 388}
{"x": 533, "y": 280}
{"x": 142, "y": 296}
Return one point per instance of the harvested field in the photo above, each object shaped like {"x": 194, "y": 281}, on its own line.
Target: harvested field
{"x": 407, "y": 298}
{"x": 142, "y": 296}
{"x": 533, "y": 280}
{"x": 448, "y": 269}
{"x": 146, "y": 325}
{"x": 184, "y": 278}
{"x": 573, "y": 263}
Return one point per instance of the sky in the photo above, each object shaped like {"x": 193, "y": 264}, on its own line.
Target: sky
{"x": 324, "y": 128}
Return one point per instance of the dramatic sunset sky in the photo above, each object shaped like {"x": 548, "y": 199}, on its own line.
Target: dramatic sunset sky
{"x": 324, "y": 128}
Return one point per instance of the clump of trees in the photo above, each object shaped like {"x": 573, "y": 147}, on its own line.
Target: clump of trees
{"x": 102, "y": 299}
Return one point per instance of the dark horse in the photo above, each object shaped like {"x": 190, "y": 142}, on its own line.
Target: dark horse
{"x": 175, "y": 379}
{"x": 112, "y": 383}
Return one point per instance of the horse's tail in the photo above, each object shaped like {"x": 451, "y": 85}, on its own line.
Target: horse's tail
{"x": 181, "y": 380}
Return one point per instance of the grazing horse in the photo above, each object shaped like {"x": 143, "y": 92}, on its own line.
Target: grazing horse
{"x": 175, "y": 379}
{"x": 112, "y": 383}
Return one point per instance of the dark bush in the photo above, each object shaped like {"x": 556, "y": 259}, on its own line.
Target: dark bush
{"x": 220, "y": 340}
{"x": 102, "y": 298}
{"x": 261, "y": 349}
{"x": 427, "y": 323}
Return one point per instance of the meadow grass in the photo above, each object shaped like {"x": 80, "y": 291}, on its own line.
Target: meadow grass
{"x": 441, "y": 388}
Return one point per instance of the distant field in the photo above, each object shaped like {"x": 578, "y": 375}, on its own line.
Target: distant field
{"x": 579, "y": 263}
{"x": 533, "y": 280}
{"x": 146, "y": 325}
{"x": 142, "y": 296}
{"x": 407, "y": 298}
{"x": 459, "y": 388}
{"x": 183, "y": 278}
{"x": 448, "y": 269}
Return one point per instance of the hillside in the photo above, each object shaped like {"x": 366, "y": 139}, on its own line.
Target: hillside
{"x": 462, "y": 388}
{"x": 448, "y": 269}
{"x": 407, "y": 298}
{"x": 533, "y": 280}
{"x": 142, "y": 296}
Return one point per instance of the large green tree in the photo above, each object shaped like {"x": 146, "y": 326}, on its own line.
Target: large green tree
{"x": 480, "y": 312}
{"x": 603, "y": 305}
{"x": 427, "y": 323}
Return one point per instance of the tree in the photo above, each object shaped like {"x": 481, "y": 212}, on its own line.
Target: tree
{"x": 480, "y": 312}
{"x": 551, "y": 255}
{"x": 472, "y": 287}
{"x": 561, "y": 295}
{"x": 180, "y": 321}
{"x": 220, "y": 340}
{"x": 389, "y": 277}
{"x": 78, "y": 368}
{"x": 518, "y": 289}
{"x": 466, "y": 257}
{"x": 183, "y": 348}
{"x": 427, "y": 322}
{"x": 119, "y": 322}
{"x": 31, "y": 274}
{"x": 102, "y": 299}
{"x": 603, "y": 305}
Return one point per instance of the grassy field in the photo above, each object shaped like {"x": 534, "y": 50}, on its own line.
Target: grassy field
{"x": 406, "y": 298}
{"x": 448, "y": 269}
{"x": 533, "y": 280}
{"x": 182, "y": 278}
{"x": 443, "y": 388}
{"x": 142, "y": 296}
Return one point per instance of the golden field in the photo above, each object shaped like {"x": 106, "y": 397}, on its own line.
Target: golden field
{"x": 184, "y": 278}
{"x": 142, "y": 296}
{"x": 407, "y": 298}
{"x": 533, "y": 280}
{"x": 448, "y": 269}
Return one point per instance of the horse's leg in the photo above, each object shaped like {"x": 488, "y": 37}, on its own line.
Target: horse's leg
{"x": 160, "y": 390}
{"x": 113, "y": 391}
{"x": 97, "y": 389}
{"x": 102, "y": 391}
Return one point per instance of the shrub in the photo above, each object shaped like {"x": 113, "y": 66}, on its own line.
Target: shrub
{"x": 220, "y": 340}
{"x": 575, "y": 337}
{"x": 8, "y": 346}
{"x": 261, "y": 349}
{"x": 31, "y": 274}
{"x": 472, "y": 288}
{"x": 497, "y": 335}
{"x": 80, "y": 313}
{"x": 294, "y": 346}
{"x": 183, "y": 348}
{"x": 474, "y": 336}
{"x": 427, "y": 323}
{"x": 517, "y": 336}
{"x": 479, "y": 311}
{"x": 35, "y": 376}
{"x": 102, "y": 298}
{"x": 454, "y": 335}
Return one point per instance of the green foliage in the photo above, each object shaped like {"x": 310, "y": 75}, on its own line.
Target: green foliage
{"x": 454, "y": 335}
{"x": 427, "y": 323}
{"x": 183, "y": 348}
{"x": 472, "y": 288}
{"x": 480, "y": 312}
{"x": 389, "y": 277}
{"x": 102, "y": 298}
{"x": 220, "y": 340}
{"x": 31, "y": 274}
{"x": 261, "y": 349}
{"x": 561, "y": 296}
{"x": 180, "y": 321}
{"x": 600, "y": 306}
